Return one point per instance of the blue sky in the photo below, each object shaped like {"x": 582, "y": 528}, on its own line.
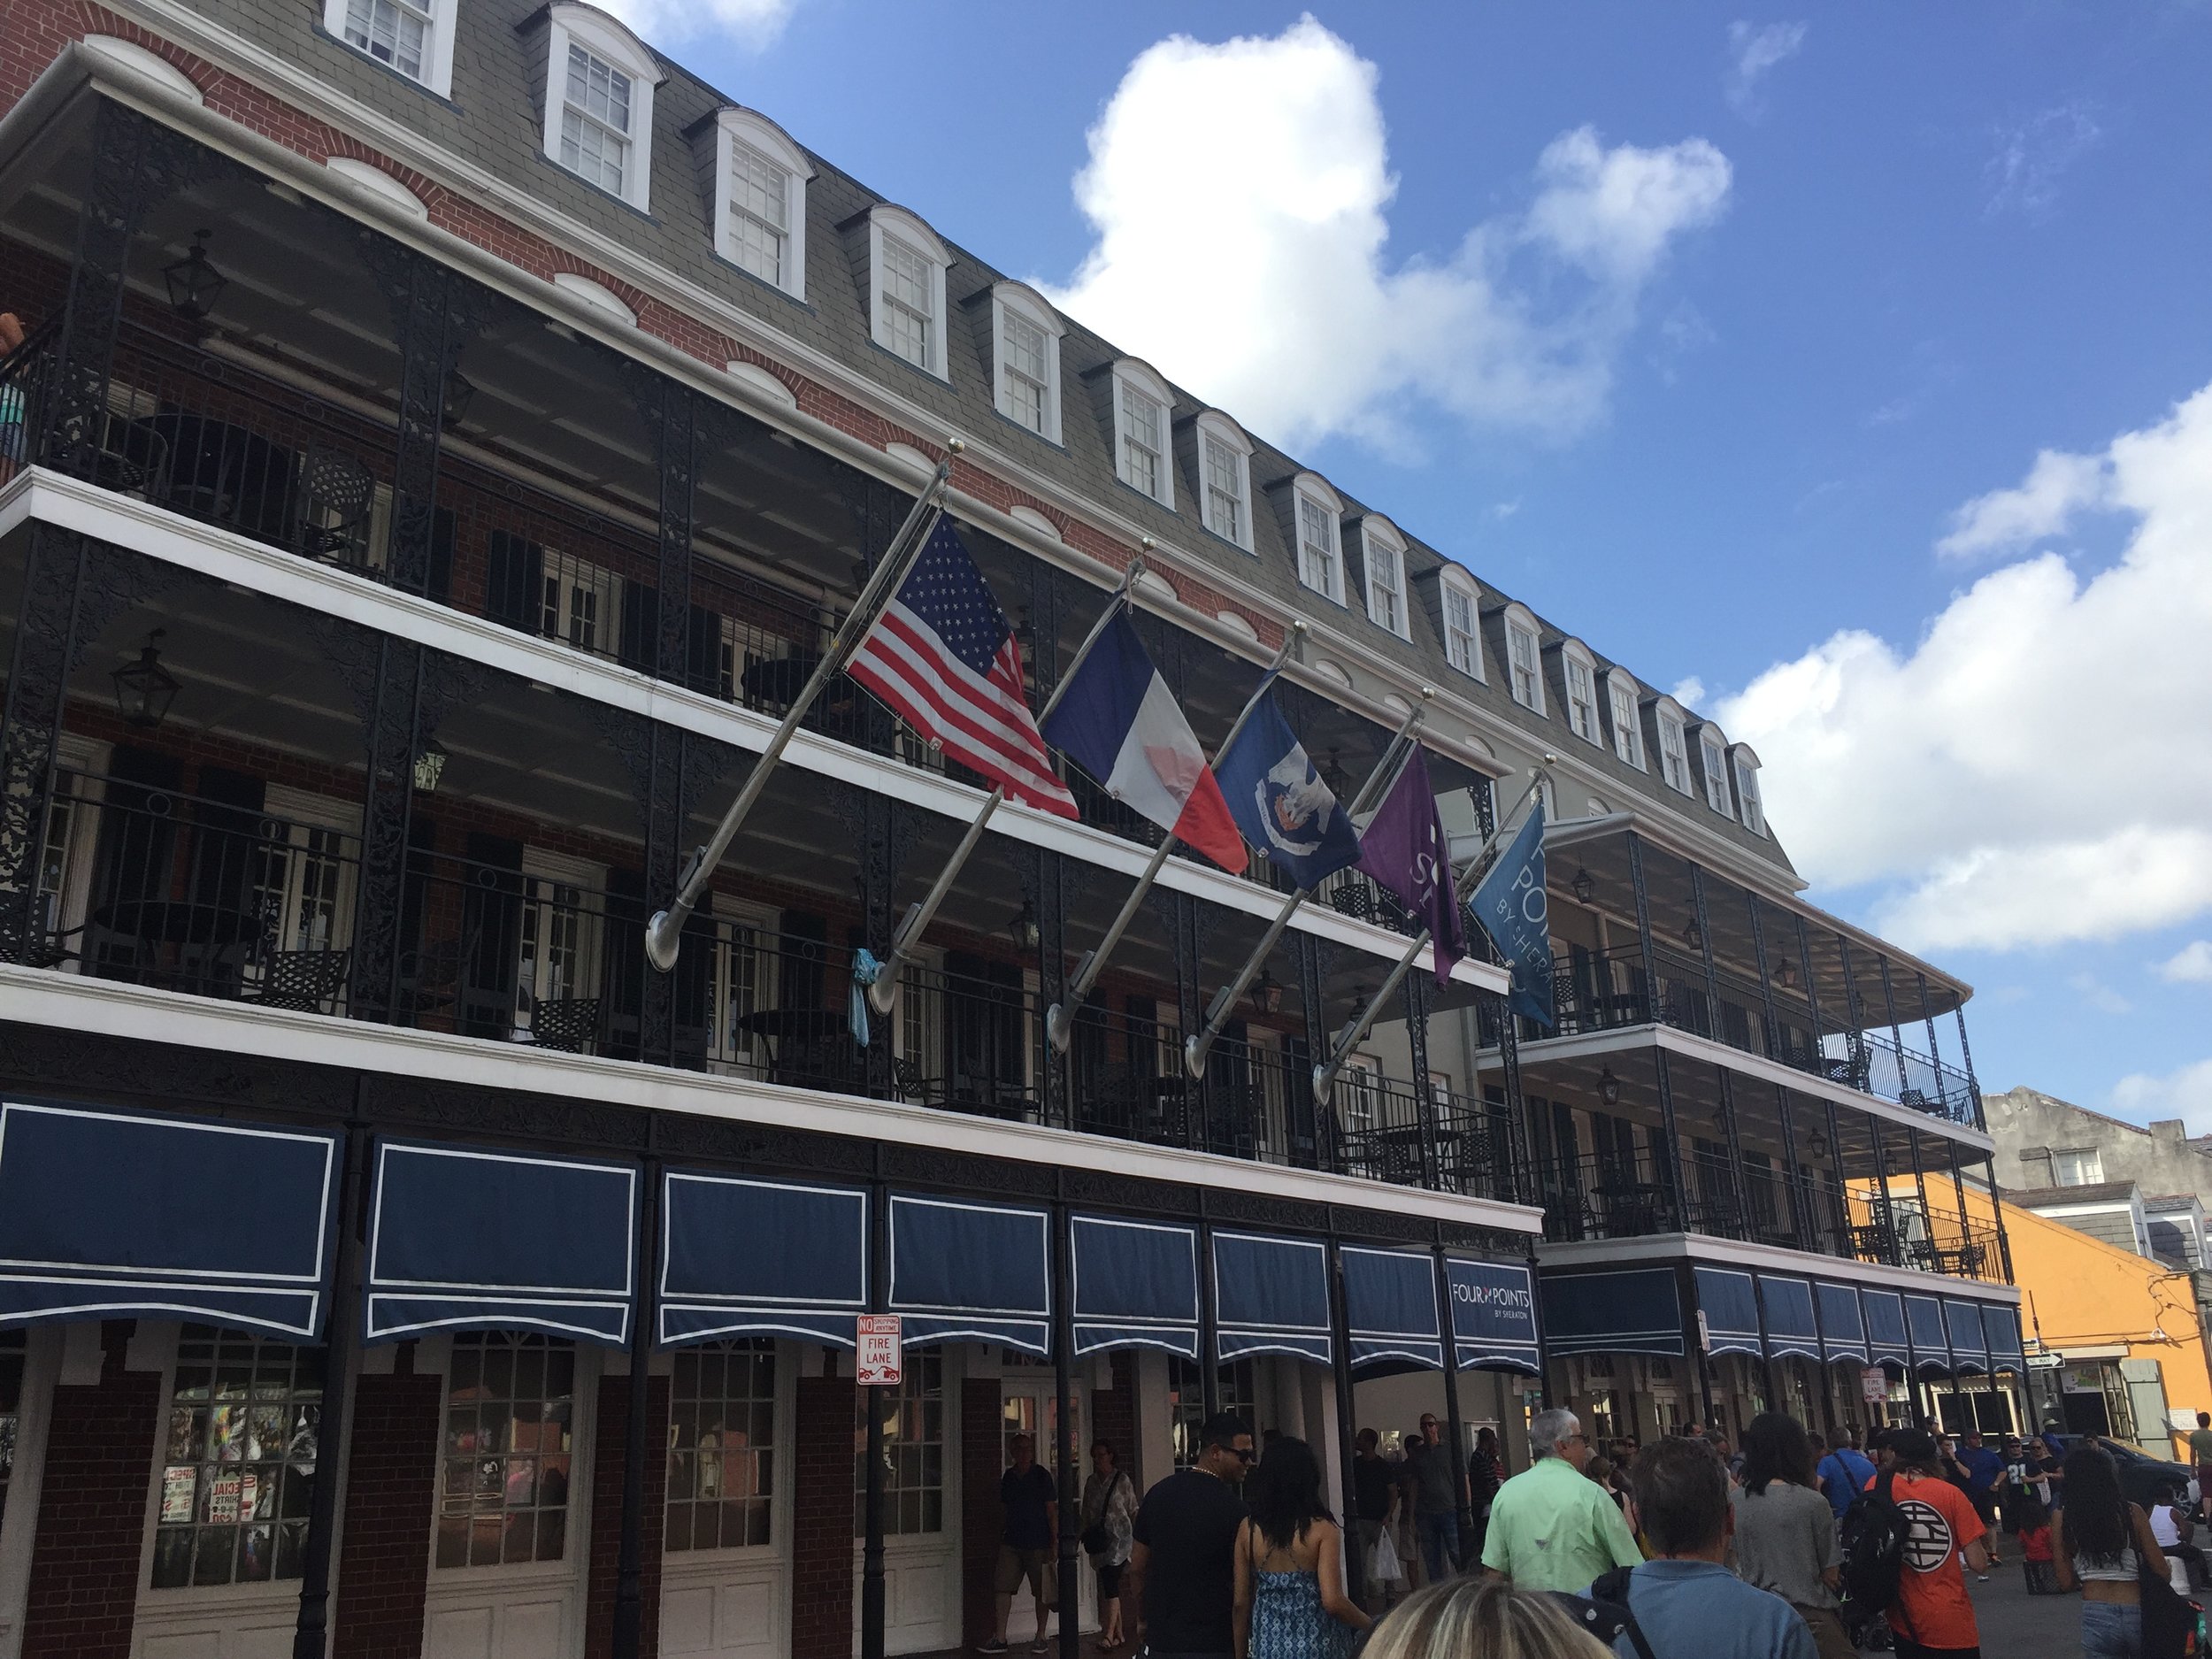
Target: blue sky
{"x": 1729, "y": 340}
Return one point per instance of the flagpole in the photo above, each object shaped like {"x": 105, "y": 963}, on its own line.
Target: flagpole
{"x": 665, "y": 934}
{"x": 1396, "y": 755}
{"x": 883, "y": 994}
{"x": 1325, "y": 1075}
{"x": 1059, "y": 1020}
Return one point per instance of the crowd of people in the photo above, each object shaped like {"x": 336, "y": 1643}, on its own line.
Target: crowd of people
{"x": 1786, "y": 1547}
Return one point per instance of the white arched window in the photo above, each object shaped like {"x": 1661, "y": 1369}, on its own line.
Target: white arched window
{"x": 1317, "y": 514}
{"x": 1712, "y": 751}
{"x": 906, "y": 266}
{"x": 1025, "y": 358}
{"x": 1225, "y": 478}
{"x": 1524, "y": 660}
{"x": 1142, "y": 404}
{"x": 1383, "y": 550}
{"x": 1624, "y": 707}
{"x": 760, "y": 179}
{"x": 1462, "y": 638}
{"x": 1579, "y": 670}
{"x": 1674, "y": 744}
{"x": 413, "y": 38}
{"x": 1745, "y": 766}
{"x": 599, "y": 101}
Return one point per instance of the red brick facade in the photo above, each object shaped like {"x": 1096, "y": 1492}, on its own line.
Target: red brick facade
{"x": 91, "y": 1536}
{"x": 610, "y": 1441}
{"x": 1114, "y": 1415}
{"x": 391, "y": 1484}
{"x": 821, "y": 1519}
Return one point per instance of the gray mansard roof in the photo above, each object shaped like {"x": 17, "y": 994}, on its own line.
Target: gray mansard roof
{"x": 494, "y": 120}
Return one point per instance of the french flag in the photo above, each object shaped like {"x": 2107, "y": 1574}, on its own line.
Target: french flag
{"x": 1118, "y": 721}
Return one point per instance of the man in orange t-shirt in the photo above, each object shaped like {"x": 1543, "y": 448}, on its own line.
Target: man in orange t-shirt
{"x": 1933, "y": 1616}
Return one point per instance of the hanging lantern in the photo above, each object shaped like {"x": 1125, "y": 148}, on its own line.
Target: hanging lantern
{"x": 1267, "y": 993}
{"x": 1584, "y": 886}
{"x": 193, "y": 283}
{"x": 1609, "y": 1088}
{"x": 144, "y": 689}
{"x": 429, "y": 767}
{"x": 1023, "y": 928}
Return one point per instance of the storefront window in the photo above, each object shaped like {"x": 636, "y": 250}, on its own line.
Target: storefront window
{"x": 913, "y": 1450}
{"x": 11, "y": 1344}
{"x": 721, "y": 1445}
{"x": 510, "y": 1412}
{"x": 238, "y": 1468}
{"x": 1239, "y": 1390}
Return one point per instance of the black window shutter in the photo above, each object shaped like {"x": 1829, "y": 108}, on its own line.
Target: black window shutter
{"x": 702, "y": 652}
{"x": 514, "y": 587}
{"x": 639, "y": 647}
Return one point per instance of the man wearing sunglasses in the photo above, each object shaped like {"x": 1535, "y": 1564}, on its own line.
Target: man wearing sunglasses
{"x": 1551, "y": 1527}
{"x": 1181, "y": 1575}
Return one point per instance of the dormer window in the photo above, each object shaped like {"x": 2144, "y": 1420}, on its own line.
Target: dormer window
{"x": 760, "y": 200}
{"x": 1582, "y": 694}
{"x": 907, "y": 266}
{"x": 1385, "y": 573}
{"x": 1674, "y": 746}
{"x": 599, "y": 102}
{"x": 413, "y": 38}
{"x": 1462, "y": 643}
{"x": 1522, "y": 659}
{"x": 1320, "y": 556}
{"x": 1747, "y": 769}
{"x": 1714, "y": 750}
{"x": 1628, "y": 732}
{"x": 1225, "y": 470}
{"x": 1027, "y": 333}
{"x": 1140, "y": 405}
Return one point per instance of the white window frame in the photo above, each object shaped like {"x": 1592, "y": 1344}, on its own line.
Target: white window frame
{"x": 1131, "y": 376}
{"x": 609, "y": 42}
{"x": 436, "y": 74}
{"x": 1016, "y": 299}
{"x": 903, "y": 228}
{"x": 1713, "y": 755}
{"x": 1743, "y": 770}
{"x": 1462, "y": 646}
{"x": 1314, "y": 505}
{"x": 1674, "y": 745}
{"x": 2086, "y": 1164}
{"x": 1218, "y": 434}
{"x": 1382, "y": 547}
{"x": 732, "y": 127}
{"x": 1579, "y": 673}
{"x": 1624, "y": 708}
{"x": 1525, "y": 658}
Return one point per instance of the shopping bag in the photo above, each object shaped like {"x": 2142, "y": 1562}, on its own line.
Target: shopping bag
{"x": 1383, "y": 1565}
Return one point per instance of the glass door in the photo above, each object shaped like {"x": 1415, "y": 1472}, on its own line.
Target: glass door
{"x": 1032, "y": 1408}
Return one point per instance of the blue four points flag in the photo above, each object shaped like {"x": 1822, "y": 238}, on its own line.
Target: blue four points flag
{"x": 1279, "y": 801}
{"x": 1404, "y": 849}
{"x": 1511, "y": 907}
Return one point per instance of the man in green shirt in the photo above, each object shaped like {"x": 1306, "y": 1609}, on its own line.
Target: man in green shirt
{"x": 1551, "y": 1527}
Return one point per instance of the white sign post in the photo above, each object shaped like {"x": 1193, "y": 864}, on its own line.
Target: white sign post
{"x": 1874, "y": 1384}
{"x": 876, "y": 1358}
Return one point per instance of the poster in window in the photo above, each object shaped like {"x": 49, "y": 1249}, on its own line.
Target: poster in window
{"x": 179, "y": 1484}
{"x": 227, "y": 1433}
{"x": 223, "y": 1495}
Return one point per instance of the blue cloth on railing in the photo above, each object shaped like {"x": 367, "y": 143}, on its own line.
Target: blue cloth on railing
{"x": 866, "y": 970}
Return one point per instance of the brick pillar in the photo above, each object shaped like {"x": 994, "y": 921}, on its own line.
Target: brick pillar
{"x": 85, "y": 1559}
{"x": 823, "y": 1519}
{"x": 606, "y": 1514}
{"x": 391, "y": 1487}
{"x": 1114, "y": 1416}
{"x": 982, "y": 1517}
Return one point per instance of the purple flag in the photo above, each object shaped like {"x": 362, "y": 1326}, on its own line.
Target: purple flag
{"x": 1404, "y": 849}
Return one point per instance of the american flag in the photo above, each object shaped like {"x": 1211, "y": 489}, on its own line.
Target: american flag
{"x": 942, "y": 655}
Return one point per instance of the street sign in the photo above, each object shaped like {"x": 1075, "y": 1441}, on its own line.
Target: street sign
{"x": 876, "y": 1359}
{"x": 1874, "y": 1384}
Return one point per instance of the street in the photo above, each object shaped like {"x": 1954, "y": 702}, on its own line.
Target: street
{"x": 2017, "y": 1625}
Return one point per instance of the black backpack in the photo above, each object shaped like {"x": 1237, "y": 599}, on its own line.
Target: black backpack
{"x": 1873, "y": 1533}
{"x": 1604, "y": 1611}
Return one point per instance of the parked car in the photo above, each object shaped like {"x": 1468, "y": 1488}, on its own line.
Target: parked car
{"x": 2144, "y": 1479}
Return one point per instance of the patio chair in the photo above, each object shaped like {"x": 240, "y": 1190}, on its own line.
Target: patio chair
{"x": 305, "y": 982}
{"x": 337, "y": 495}
{"x": 567, "y": 1025}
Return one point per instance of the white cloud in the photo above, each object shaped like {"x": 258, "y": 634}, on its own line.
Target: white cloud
{"x": 2027, "y": 160}
{"x": 2191, "y": 965}
{"x": 1266, "y": 289}
{"x": 2034, "y": 769}
{"x": 2057, "y": 487}
{"x": 752, "y": 23}
{"x": 1753, "y": 49}
{"x": 2185, "y": 1093}
{"x": 2100, "y": 995}
{"x": 1690, "y": 692}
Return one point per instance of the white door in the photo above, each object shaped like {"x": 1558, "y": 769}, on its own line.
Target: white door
{"x": 26, "y": 1391}
{"x": 921, "y": 1506}
{"x": 726, "y": 1547}
{"x": 1032, "y": 1408}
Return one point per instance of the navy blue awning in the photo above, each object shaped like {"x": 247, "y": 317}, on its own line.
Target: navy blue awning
{"x": 982, "y": 1271}
{"x": 467, "y": 1238}
{"x": 743, "y": 1257}
{"x": 1968, "y": 1346}
{"x": 115, "y": 1215}
{"x": 1930, "y": 1344}
{"x": 1136, "y": 1285}
{"x": 1728, "y": 1310}
{"x": 1494, "y": 1315}
{"x": 1637, "y": 1310}
{"x": 1390, "y": 1308}
{"x": 1885, "y": 1326}
{"x": 1791, "y": 1327}
{"x": 1271, "y": 1296}
{"x": 1842, "y": 1326}
{"x": 2001, "y": 1325}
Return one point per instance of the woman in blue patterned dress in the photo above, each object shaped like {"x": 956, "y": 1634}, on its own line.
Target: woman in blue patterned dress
{"x": 1290, "y": 1564}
